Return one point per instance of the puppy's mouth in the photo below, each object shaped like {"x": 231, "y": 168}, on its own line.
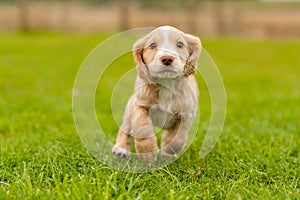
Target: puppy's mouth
{"x": 167, "y": 73}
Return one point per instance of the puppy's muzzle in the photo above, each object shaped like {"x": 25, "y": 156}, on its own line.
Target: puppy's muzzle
{"x": 167, "y": 60}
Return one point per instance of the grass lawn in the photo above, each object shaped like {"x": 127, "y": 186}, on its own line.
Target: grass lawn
{"x": 256, "y": 157}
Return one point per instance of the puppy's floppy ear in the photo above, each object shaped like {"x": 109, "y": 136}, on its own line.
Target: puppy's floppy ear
{"x": 137, "y": 51}
{"x": 142, "y": 68}
{"x": 194, "y": 45}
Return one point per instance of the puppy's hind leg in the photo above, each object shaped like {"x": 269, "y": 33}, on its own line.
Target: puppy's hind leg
{"x": 171, "y": 144}
{"x": 174, "y": 140}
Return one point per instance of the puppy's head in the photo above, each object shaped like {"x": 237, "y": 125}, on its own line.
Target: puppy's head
{"x": 166, "y": 53}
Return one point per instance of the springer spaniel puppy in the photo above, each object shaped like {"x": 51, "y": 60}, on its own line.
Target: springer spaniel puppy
{"x": 165, "y": 95}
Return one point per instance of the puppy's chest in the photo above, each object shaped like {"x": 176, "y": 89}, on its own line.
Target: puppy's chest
{"x": 168, "y": 101}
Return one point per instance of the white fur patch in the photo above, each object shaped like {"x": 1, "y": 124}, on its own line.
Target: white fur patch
{"x": 167, "y": 96}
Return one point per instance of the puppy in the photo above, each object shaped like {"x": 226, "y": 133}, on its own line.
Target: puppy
{"x": 165, "y": 95}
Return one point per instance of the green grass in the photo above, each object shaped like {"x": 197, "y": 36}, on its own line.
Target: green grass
{"x": 256, "y": 157}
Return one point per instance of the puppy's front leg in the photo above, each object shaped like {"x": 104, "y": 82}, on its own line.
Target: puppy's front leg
{"x": 122, "y": 147}
{"x": 144, "y": 137}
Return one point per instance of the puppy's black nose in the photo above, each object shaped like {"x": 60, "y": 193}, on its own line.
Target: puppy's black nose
{"x": 167, "y": 60}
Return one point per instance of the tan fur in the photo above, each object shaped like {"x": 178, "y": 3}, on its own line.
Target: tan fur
{"x": 164, "y": 96}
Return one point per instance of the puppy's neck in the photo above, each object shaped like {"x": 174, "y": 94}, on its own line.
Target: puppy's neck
{"x": 168, "y": 93}
{"x": 168, "y": 84}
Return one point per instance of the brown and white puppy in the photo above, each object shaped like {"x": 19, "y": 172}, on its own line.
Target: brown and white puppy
{"x": 166, "y": 94}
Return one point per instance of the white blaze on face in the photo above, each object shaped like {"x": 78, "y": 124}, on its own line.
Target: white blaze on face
{"x": 166, "y": 47}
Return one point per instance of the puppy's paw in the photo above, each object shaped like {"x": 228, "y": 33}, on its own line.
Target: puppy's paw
{"x": 120, "y": 152}
{"x": 172, "y": 151}
{"x": 147, "y": 148}
{"x": 168, "y": 154}
{"x": 148, "y": 157}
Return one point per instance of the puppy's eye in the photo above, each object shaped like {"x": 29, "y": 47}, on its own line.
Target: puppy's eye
{"x": 153, "y": 45}
{"x": 179, "y": 44}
